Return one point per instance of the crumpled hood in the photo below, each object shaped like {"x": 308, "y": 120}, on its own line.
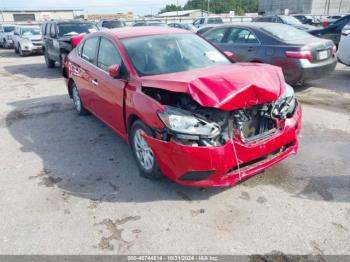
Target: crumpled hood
{"x": 226, "y": 87}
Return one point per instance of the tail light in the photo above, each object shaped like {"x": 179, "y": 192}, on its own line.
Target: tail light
{"x": 345, "y": 32}
{"x": 75, "y": 40}
{"x": 325, "y": 23}
{"x": 299, "y": 54}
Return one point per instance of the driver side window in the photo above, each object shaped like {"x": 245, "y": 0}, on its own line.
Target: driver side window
{"x": 108, "y": 55}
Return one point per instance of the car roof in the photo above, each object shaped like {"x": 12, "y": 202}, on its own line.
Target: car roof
{"x": 131, "y": 32}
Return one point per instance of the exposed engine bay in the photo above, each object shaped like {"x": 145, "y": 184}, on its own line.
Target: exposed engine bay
{"x": 191, "y": 124}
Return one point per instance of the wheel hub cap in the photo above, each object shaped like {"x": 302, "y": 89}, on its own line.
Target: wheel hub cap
{"x": 143, "y": 152}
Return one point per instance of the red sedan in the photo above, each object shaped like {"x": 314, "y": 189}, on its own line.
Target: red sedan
{"x": 186, "y": 110}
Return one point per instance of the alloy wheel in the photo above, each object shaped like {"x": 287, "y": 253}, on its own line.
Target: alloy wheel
{"x": 143, "y": 152}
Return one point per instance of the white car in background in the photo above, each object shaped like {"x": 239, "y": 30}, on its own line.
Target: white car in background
{"x": 27, "y": 39}
{"x": 343, "y": 53}
{"x": 6, "y": 32}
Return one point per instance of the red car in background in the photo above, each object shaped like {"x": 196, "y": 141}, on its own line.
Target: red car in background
{"x": 186, "y": 110}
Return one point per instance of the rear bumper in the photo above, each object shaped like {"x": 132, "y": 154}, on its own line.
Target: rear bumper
{"x": 217, "y": 166}
{"x": 305, "y": 70}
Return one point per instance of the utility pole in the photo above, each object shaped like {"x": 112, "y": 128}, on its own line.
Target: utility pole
{"x": 208, "y": 7}
{"x": 340, "y": 4}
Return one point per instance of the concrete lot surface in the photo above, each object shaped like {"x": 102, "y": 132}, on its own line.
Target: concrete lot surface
{"x": 69, "y": 185}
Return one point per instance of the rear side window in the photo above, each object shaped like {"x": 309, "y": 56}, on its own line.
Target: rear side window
{"x": 48, "y": 29}
{"x": 53, "y": 30}
{"x": 242, "y": 36}
{"x": 108, "y": 54}
{"x": 216, "y": 35}
{"x": 90, "y": 50}
{"x": 216, "y": 20}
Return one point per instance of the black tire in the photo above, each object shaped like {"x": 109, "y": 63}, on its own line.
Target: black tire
{"x": 154, "y": 172}
{"x": 20, "y": 51}
{"x": 78, "y": 104}
{"x": 49, "y": 63}
{"x": 62, "y": 58}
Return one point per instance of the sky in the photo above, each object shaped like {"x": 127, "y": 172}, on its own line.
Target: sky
{"x": 140, "y": 7}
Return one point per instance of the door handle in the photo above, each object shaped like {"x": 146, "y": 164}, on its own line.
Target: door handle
{"x": 94, "y": 82}
{"x": 251, "y": 49}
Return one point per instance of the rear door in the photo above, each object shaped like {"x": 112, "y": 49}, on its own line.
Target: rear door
{"x": 110, "y": 91}
{"x": 83, "y": 71}
{"x": 242, "y": 42}
{"x": 53, "y": 45}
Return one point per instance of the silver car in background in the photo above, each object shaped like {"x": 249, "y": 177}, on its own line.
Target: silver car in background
{"x": 343, "y": 53}
{"x": 6, "y": 32}
{"x": 27, "y": 39}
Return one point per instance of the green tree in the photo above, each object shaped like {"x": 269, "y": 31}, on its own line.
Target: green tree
{"x": 224, "y": 6}
{"x": 170, "y": 8}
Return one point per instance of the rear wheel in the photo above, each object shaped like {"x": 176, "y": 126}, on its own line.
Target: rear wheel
{"x": 62, "y": 58}
{"x": 49, "y": 63}
{"x": 79, "y": 107}
{"x": 142, "y": 152}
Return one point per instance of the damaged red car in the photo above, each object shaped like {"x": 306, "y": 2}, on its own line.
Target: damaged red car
{"x": 186, "y": 110}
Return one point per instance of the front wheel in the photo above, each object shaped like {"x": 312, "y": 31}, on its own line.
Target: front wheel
{"x": 142, "y": 152}
{"x": 20, "y": 51}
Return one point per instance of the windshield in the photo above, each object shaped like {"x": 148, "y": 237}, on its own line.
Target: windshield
{"x": 290, "y": 20}
{"x": 8, "y": 29}
{"x": 76, "y": 29}
{"x": 162, "y": 54}
{"x": 28, "y": 31}
{"x": 113, "y": 24}
{"x": 285, "y": 33}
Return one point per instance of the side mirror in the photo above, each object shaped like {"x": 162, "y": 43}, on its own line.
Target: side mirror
{"x": 230, "y": 56}
{"x": 113, "y": 70}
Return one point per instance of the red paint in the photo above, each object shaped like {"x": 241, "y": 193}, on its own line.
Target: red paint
{"x": 226, "y": 87}
{"x": 75, "y": 40}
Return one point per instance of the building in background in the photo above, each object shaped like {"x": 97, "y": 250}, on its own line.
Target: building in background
{"x": 120, "y": 16}
{"x": 11, "y": 16}
{"x": 185, "y": 14}
{"x": 313, "y": 7}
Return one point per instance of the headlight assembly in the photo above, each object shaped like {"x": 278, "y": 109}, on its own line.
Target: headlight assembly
{"x": 26, "y": 41}
{"x": 285, "y": 106}
{"x": 187, "y": 125}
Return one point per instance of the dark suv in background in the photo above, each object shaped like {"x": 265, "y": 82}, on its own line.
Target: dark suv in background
{"x": 57, "y": 38}
{"x": 109, "y": 24}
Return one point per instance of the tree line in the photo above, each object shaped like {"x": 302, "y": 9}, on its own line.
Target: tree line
{"x": 217, "y": 6}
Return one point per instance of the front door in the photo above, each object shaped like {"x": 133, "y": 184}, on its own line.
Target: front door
{"x": 110, "y": 91}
